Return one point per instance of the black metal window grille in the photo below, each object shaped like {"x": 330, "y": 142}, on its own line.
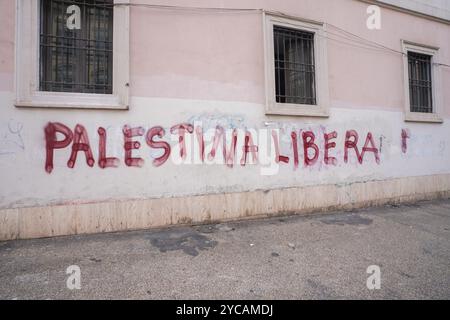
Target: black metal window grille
{"x": 420, "y": 82}
{"x": 294, "y": 66}
{"x": 78, "y": 60}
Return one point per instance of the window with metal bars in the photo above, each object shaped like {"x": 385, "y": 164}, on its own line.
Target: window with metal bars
{"x": 420, "y": 82}
{"x": 76, "y": 60}
{"x": 294, "y": 66}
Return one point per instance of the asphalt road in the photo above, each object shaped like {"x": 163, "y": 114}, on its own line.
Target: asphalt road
{"x": 320, "y": 256}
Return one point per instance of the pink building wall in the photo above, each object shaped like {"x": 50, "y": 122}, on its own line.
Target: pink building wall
{"x": 219, "y": 56}
{"x": 224, "y": 59}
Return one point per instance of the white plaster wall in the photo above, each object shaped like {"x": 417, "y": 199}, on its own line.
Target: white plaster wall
{"x": 26, "y": 183}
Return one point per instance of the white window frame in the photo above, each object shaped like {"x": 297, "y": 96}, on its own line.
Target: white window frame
{"x": 27, "y": 64}
{"x": 321, "y": 108}
{"x": 410, "y": 116}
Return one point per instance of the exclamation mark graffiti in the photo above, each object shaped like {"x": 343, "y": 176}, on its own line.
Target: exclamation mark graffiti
{"x": 405, "y": 137}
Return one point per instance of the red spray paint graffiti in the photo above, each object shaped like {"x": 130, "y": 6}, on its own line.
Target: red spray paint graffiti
{"x": 228, "y": 155}
{"x": 308, "y": 143}
{"x": 249, "y": 147}
{"x": 52, "y": 143}
{"x": 405, "y": 137}
{"x": 103, "y": 161}
{"x": 81, "y": 143}
{"x": 181, "y": 129}
{"x": 201, "y": 142}
{"x": 295, "y": 149}
{"x": 371, "y": 148}
{"x": 59, "y": 136}
{"x": 278, "y": 158}
{"x": 352, "y": 144}
{"x": 158, "y": 132}
{"x": 131, "y": 145}
{"x": 330, "y": 145}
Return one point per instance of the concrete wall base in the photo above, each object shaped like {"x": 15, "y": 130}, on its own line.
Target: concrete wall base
{"x": 70, "y": 219}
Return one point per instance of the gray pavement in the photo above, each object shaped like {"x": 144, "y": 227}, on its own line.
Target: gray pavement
{"x": 319, "y": 256}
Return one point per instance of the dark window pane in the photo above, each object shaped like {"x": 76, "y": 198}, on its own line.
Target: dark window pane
{"x": 294, "y": 66}
{"x": 420, "y": 83}
{"x": 77, "y": 60}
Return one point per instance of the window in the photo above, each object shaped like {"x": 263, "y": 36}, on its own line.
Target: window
{"x": 77, "y": 59}
{"x": 421, "y": 83}
{"x": 296, "y": 67}
{"x": 72, "y": 54}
